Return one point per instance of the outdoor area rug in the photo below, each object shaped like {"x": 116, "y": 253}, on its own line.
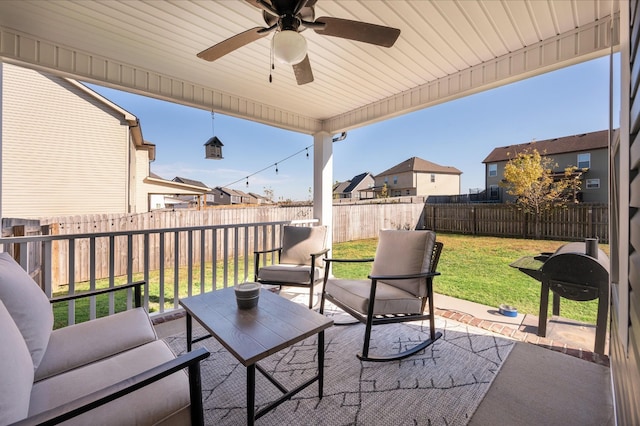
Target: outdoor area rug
{"x": 442, "y": 385}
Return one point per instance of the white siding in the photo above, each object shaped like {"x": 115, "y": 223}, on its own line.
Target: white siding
{"x": 63, "y": 151}
{"x": 141, "y": 169}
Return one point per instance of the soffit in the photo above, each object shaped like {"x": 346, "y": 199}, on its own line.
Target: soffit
{"x": 447, "y": 49}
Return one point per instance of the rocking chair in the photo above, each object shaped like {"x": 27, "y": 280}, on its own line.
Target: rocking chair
{"x": 398, "y": 289}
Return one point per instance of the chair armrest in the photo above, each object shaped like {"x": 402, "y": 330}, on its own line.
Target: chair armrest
{"x": 267, "y": 251}
{"x": 320, "y": 253}
{"x": 403, "y": 277}
{"x": 138, "y": 293}
{"x": 103, "y": 396}
{"x": 349, "y": 260}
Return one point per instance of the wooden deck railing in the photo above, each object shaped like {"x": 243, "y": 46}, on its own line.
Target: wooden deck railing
{"x": 171, "y": 249}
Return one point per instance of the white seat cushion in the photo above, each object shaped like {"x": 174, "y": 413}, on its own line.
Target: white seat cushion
{"x": 287, "y": 273}
{"x": 76, "y": 345}
{"x": 16, "y": 372}
{"x": 389, "y": 299}
{"x": 28, "y": 306}
{"x": 149, "y": 405}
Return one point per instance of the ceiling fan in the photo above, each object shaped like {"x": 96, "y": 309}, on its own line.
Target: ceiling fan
{"x": 288, "y": 18}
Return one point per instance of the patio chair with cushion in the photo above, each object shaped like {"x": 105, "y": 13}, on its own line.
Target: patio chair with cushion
{"x": 299, "y": 259}
{"x": 398, "y": 288}
{"x": 110, "y": 371}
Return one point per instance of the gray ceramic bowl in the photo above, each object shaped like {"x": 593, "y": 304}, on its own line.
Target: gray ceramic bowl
{"x": 247, "y": 295}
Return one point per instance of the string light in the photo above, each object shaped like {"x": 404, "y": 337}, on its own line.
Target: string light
{"x": 246, "y": 179}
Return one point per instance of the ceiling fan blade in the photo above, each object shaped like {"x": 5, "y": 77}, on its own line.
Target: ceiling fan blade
{"x": 229, "y": 45}
{"x": 261, "y": 4}
{"x": 303, "y": 72}
{"x": 358, "y": 31}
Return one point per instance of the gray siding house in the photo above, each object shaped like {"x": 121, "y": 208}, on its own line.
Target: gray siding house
{"x": 587, "y": 151}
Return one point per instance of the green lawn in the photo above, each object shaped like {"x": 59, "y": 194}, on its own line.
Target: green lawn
{"x": 477, "y": 269}
{"x": 473, "y": 268}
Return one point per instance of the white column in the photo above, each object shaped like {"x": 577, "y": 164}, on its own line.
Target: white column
{"x": 323, "y": 181}
{"x": 1, "y": 133}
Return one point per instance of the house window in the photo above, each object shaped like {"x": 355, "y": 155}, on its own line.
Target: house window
{"x": 395, "y": 180}
{"x": 593, "y": 183}
{"x": 386, "y": 179}
{"x": 493, "y": 170}
{"x": 433, "y": 178}
{"x": 494, "y": 194}
{"x": 584, "y": 161}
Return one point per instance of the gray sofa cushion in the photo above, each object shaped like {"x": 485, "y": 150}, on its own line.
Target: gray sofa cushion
{"x": 28, "y": 305}
{"x": 76, "y": 345}
{"x": 286, "y": 273}
{"x": 153, "y": 404}
{"x": 299, "y": 242}
{"x": 404, "y": 252}
{"x": 389, "y": 299}
{"x": 16, "y": 373}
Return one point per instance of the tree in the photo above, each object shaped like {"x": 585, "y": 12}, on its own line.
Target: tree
{"x": 530, "y": 178}
{"x": 268, "y": 194}
{"x": 384, "y": 192}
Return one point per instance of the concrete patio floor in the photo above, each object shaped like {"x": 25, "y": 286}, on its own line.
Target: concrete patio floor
{"x": 557, "y": 380}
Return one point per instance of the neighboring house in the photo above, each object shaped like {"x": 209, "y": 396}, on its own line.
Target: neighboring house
{"x": 339, "y": 187}
{"x": 260, "y": 199}
{"x": 416, "y": 176}
{"x": 360, "y": 187}
{"x": 206, "y": 198}
{"x": 587, "y": 151}
{"x": 171, "y": 193}
{"x": 227, "y": 196}
{"x": 65, "y": 150}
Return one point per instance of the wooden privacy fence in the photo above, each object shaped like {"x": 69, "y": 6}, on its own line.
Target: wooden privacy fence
{"x": 350, "y": 222}
{"x": 121, "y": 246}
{"x": 573, "y": 223}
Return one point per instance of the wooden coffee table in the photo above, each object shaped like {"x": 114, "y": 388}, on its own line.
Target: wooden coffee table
{"x": 253, "y": 334}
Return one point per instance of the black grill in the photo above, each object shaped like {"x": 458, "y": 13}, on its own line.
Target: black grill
{"x": 575, "y": 271}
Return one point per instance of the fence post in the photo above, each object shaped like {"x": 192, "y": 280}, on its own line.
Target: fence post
{"x": 434, "y": 218}
{"x": 17, "y": 231}
{"x": 474, "y": 221}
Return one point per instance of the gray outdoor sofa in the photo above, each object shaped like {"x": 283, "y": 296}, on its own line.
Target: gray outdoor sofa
{"x": 80, "y": 373}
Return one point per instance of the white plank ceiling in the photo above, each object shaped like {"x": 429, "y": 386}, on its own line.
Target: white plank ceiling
{"x": 446, "y": 49}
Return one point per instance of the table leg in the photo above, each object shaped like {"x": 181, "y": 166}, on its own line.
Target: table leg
{"x": 189, "y": 332}
{"x": 320, "y": 363}
{"x": 251, "y": 394}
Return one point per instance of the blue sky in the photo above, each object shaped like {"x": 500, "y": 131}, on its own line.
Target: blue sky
{"x": 459, "y": 133}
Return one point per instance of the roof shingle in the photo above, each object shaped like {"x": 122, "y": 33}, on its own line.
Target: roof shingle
{"x": 574, "y": 143}
{"x": 415, "y": 164}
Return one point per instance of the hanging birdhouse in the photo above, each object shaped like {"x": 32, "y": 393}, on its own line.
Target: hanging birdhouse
{"x": 213, "y": 148}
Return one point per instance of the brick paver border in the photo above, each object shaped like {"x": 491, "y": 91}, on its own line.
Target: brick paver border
{"x": 514, "y": 333}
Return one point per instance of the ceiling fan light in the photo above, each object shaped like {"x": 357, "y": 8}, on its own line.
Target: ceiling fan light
{"x": 289, "y": 47}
